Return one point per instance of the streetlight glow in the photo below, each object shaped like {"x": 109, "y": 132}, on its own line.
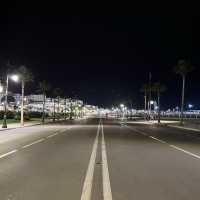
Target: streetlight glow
{"x": 151, "y": 102}
{"x": 190, "y": 105}
{"x": 15, "y": 78}
{"x": 122, "y": 105}
{"x": 1, "y": 88}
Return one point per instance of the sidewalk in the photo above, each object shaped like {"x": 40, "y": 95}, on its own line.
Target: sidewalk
{"x": 18, "y": 125}
{"x": 192, "y": 126}
{"x": 34, "y": 123}
{"x": 151, "y": 122}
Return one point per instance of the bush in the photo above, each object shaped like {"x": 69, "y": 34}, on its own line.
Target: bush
{"x": 35, "y": 114}
{"x": 18, "y": 116}
{"x": 10, "y": 114}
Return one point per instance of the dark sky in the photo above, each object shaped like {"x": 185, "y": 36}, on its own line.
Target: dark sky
{"x": 105, "y": 59}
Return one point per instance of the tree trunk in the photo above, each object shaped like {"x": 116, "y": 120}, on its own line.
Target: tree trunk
{"x": 54, "y": 110}
{"x": 159, "y": 107}
{"x": 58, "y": 109}
{"x": 145, "y": 104}
{"x": 182, "y": 100}
{"x": 43, "y": 109}
{"x": 65, "y": 109}
{"x": 5, "y": 106}
{"x": 71, "y": 110}
{"x": 22, "y": 105}
{"x": 145, "y": 101}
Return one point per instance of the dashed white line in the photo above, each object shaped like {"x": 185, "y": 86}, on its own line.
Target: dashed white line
{"x": 37, "y": 141}
{"x": 87, "y": 186}
{"x": 141, "y": 132}
{"x": 9, "y": 153}
{"x": 107, "y": 193}
{"x": 185, "y": 151}
{"x": 172, "y": 146}
{"x": 52, "y": 135}
{"x": 158, "y": 140}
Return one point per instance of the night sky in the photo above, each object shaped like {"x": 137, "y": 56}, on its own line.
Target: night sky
{"x": 104, "y": 59}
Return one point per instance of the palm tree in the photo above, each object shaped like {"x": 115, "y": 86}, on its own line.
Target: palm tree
{"x": 183, "y": 68}
{"x": 57, "y": 92}
{"x": 25, "y": 76}
{"x": 158, "y": 88}
{"x": 145, "y": 89}
{"x": 44, "y": 87}
{"x": 65, "y": 107}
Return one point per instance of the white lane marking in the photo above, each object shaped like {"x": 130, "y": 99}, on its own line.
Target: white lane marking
{"x": 57, "y": 132}
{"x": 107, "y": 193}
{"x": 185, "y": 151}
{"x": 87, "y": 186}
{"x": 37, "y": 141}
{"x": 141, "y": 132}
{"x": 177, "y": 148}
{"x": 9, "y": 153}
{"x": 52, "y": 135}
{"x": 158, "y": 140}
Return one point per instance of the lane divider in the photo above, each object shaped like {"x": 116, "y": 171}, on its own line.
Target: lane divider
{"x": 185, "y": 151}
{"x": 170, "y": 145}
{"x": 37, "y": 141}
{"x": 9, "y": 153}
{"x": 107, "y": 193}
{"x": 52, "y": 135}
{"x": 158, "y": 140}
{"x": 87, "y": 185}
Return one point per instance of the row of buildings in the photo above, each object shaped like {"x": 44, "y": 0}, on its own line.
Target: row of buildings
{"x": 34, "y": 103}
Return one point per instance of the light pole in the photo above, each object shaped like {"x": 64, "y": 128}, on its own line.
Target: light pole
{"x": 14, "y": 78}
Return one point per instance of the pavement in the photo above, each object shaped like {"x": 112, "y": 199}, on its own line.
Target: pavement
{"x": 192, "y": 124}
{"x": 18, "y": 125}
{"x": 99, "y": 159}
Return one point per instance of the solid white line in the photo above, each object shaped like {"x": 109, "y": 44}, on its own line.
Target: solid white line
{"x": 158, "y": 140}
{"x": 87, "y": 186}
{"x": 187, "y": 152}
{"x": 107, "y": 193}
{"x": 7, "y": 154}
{"x": 37, "y": 141}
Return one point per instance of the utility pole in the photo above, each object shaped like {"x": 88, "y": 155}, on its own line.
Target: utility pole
{"x": 150, "y": 76}
{"x": 22, "y": 104}
{"x": 5, "y": 105}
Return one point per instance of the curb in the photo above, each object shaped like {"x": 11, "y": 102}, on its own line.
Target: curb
{"x": 184, "y": 128}
{"x": 6, "y": 129}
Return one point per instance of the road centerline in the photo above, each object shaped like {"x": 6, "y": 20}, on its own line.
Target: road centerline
{"x": 87, "y": 185}
{"x": 107, "y": 193}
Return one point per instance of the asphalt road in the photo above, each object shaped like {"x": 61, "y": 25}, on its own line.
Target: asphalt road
{"x": 99, "y": 159}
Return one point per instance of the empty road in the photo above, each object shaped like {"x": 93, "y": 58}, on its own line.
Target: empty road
{"x": 99, "y": 159}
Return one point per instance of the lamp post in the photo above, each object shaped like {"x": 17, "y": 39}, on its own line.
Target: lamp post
{"x": 14, "y": 78}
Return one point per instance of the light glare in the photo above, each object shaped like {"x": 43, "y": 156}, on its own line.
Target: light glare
{"x": 15, "y": 78}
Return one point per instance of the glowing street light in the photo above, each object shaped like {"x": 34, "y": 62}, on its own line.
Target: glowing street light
{"x": 190, "y": 106}
{"x": 151, "y": 102}
{"x": 122, "y": 105}
{"x": 15, "y": 77}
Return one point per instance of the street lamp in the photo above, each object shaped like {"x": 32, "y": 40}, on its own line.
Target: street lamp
{"x": 190, "y": 106}
{"x": 122, "y": 105}
{"x": 14, "y": 78}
